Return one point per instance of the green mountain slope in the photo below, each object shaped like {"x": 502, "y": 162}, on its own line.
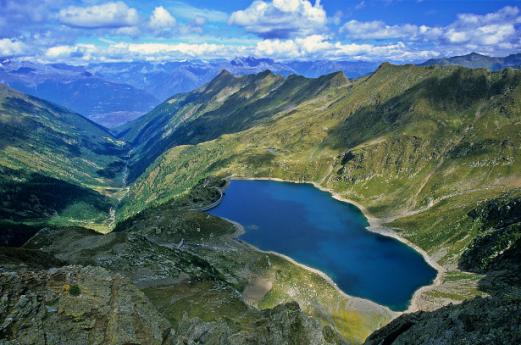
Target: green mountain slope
{"x": 418, "y": 147}
{"x": 54, "y": 164}
{"x": 225, "y": 105}
{"x": 431, "y": 152}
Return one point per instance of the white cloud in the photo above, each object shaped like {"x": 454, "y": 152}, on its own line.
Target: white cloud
{"x": 388, "y": 52}
{"x": 80, "y": 51}
{"x": 281, "y": 18}
{"x": 294, "y": 48}
{"x": 108, "y": 15}
{"x": 123, "y": 51}
{"x": 161, "y": 19}
{"x": 308, "y": 47}
{"x": 151, "y": 49}
{"x": 378, "y": 30}
{"x": 319, "y": 46}
{"x": 486, "y": 33}
{"x": 491, "y": 29}
{"x": 9, "y": 47}
{"x": 292, "y": 31}
{"x": 186, "y": 11}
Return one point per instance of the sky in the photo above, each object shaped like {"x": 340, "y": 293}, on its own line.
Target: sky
{"x": 84, "y": 31}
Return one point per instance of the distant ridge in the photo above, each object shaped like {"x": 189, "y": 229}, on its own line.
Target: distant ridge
{"x": 475, "y": 60}
{"x": 117, "y": 92}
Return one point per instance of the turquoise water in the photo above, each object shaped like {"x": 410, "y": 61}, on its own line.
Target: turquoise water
{"x": 319, "y": 231}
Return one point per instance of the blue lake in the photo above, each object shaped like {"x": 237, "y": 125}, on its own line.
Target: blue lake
{"x": 319, "y": 231}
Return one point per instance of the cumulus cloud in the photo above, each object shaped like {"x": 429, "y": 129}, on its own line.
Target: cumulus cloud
{"x": 288, "y": 29}
{"x": 80, "y": 51}
{"x": 281, "y": 18}
{"x": 10, "y": 47}
{"x": 320, "y": 46}
{"x": 161, "y": 19}
{"x": 487, "y": 33}
{"x": 489, "y": 29}
{"x": 308, "y": 47}
{"x": 108, "y": 15}
{"x": 293, "y": 48}
{"x": 123, "y": 51}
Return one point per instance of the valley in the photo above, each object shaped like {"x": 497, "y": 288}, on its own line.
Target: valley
{"x": 430, "y": 154}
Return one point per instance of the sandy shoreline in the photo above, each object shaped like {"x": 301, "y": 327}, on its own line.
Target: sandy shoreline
{"x": 376, "y": 225}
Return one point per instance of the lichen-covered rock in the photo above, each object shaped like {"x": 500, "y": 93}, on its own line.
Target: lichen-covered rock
{"x": 76, "y": 305}
{"x": 282, "y": 325}
{"x": 481, "y": 321}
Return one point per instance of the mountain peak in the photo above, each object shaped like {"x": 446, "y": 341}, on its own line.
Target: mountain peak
{"x": 223, "y": 79}
{"x": 474, "y": 54}
{"x": 223, "y": 76}
{"x": 384, "y": 66}
{"x": 336, "y": 78}
{"x": 265, "y": 73}
{"x": 224, "y": 73}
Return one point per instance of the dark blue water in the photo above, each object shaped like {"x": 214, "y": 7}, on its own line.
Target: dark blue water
{"x": 319, "y": 231}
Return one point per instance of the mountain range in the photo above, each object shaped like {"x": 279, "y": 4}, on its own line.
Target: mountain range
{"x": 475, "y": 60}
{"x": 105, "y": 101}
{"x": 430, "y": 153}
{"x": 112, "y": 94}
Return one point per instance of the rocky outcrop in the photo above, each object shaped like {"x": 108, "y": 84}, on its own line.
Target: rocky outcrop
{"x": 284, "y": 324}
{"x": 76, "y": 305}
{"x": 90, "y": 305}
{"x": 496, "y": 246}
{"x": 487, "y": 321}
{"x": 187, "y": 296}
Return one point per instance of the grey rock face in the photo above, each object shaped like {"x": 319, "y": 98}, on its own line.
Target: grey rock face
{"x": 483, "y": 321}
{"x": 284, "y": 324}
{"x": 90, "y": 305}
{"x": 76, "y": 305}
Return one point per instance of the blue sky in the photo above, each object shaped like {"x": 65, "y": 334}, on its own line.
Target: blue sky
{"x": 83, "y": 31}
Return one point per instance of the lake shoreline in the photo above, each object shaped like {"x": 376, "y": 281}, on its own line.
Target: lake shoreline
{"x": 239, "y": 230}
{"x": 376, "y": 225}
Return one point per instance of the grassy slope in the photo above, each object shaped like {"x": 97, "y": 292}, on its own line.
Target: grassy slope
{"x": 56, "y": 165}
{"x": 417, "y": 146}
{"x": 225, "y": 105}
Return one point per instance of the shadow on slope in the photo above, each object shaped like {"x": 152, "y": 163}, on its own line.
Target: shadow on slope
{"x": 34, "y": 198}
{"x": 226, "y": 105}
{"x": 496, "y": 250}
{"x": 454, "y": 95}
